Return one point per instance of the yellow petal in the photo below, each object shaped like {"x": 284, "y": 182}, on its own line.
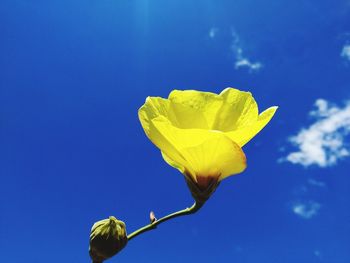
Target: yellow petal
{"x": 200, "y": 152}
{"x": 195, "y": 109}
{"x": 165, "y": 144}
{"x": 172, "y": 163}
{"x": 239, "y": 109}
{"x": 216, "y": 156}
{"x": 245, "y": 134}
{"x": 154, "y": 107}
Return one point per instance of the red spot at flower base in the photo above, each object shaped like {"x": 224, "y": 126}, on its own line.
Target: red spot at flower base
{"x": 204, "y": 182}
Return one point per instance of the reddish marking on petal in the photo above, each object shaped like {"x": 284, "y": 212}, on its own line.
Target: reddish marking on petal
{"x": 204, "y": 182}
{"x": 189, "y": 175}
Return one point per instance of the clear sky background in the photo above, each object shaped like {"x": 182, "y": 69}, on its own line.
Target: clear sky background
{"x": 73, "y": 74}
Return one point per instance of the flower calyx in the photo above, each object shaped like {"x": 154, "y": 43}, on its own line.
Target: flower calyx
{"x": 203, "y": 187}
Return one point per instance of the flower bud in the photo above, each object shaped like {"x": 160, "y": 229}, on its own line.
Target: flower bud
{"x": 107, "y": 238}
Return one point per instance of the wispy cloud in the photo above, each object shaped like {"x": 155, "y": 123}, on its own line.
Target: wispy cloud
{"x": 245, "y": 63}
{"x": 316, "y": 183}
{"x": 213, "y": 32}
{"x": 322, "y": 143}
{"x": 306, "y": 210}
{"x": 241, "y": 61}
{"x": 345, "y": 53}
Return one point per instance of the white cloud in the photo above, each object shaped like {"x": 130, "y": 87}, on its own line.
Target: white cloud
{"x": 246, "y": 63}
{"x": 306, "y": 210}
{"x": 345, "y": 53}
{"x": 323, "y": 142}
{"x": 213, "y": 32}
{"x": 316, "y": 183}
{"x": 241, "y": 61}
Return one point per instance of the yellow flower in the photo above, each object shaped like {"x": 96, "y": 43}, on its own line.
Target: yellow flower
{"x": 202, "y": 133}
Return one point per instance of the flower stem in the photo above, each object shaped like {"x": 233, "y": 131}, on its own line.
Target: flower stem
{"x": 187, "y": 211}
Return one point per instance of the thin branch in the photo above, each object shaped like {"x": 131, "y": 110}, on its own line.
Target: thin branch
{"x": 187, "y": 211}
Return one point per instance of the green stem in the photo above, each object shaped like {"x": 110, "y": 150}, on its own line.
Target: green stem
{"x": 187, "y": 211}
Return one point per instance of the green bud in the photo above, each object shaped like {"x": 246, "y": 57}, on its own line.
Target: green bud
{"x": 107, "y": 238}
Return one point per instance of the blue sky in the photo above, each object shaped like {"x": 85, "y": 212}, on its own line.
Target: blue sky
{"x": 72, "y": 151}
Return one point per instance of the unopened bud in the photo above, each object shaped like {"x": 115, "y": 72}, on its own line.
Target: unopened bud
{"x": 107, "y": 238}
{"x": 152, "y": 217}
